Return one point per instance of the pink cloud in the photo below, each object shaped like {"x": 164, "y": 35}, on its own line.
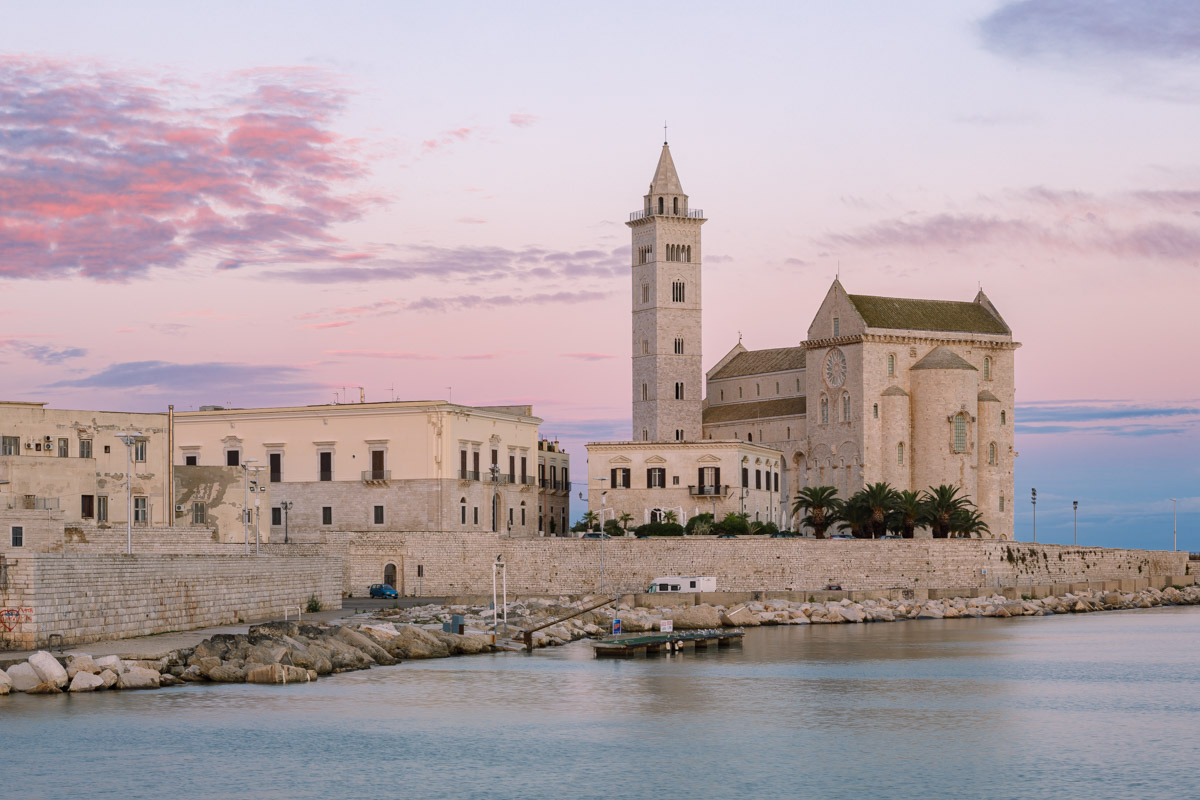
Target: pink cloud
{"x": 395, "y": 354}
{"x": 323, "y": 325}
{"x": 522, "y": 120}
{"x": 445, "y": 138}
{"x": 588, "y": 356}
{"x": 104, "y": 174}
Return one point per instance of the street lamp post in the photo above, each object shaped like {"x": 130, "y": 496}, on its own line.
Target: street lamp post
{"x": 495, "y": 470}
{"x": 603, "y": 497}
{"x": 1033, "y": 499}
{"x": 246, "y": 502}
{"x": 1174, "y": 523}
{"x": 130, "y": 439}
{"x": 258, "y": 490}
{"x": 286, "y": 505}
{"x": 1075, "y": 504}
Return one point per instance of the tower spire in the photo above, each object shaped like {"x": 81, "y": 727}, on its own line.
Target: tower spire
{"x": 664, "y": 133}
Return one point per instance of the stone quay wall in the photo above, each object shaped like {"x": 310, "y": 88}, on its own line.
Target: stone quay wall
{"x": 65, "y": 600}
{"x": 454, "y": 564}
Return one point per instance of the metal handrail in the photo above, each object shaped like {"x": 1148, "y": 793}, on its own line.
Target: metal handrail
{"x": 634, "y": 216}
{"x": 377, "y": 475}
{"x": 713, "y": 490}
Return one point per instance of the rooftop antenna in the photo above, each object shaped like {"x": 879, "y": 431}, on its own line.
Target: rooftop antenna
{"x": 739, "y": 337}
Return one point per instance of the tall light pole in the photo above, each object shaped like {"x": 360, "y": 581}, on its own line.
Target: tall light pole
{"x": 1075, "y": 503}
{"x": 1033, "y": 499}
{"x": 603, "y": 497}
{"x": 286, "y": 505}
{"x": 246, "y": 502}
{"x": 130, "y": 439}
{"x": 495, "y": 470}
{"x": 1174, "y": 523}
{"x": 258, "y": 490}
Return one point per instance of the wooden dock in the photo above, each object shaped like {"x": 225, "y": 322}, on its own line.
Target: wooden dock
{"x": 652, "y": 643}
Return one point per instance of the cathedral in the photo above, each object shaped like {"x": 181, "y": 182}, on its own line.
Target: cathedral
{"x": 916, "y": 393}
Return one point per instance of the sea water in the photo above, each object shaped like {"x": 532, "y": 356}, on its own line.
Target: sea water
{"x": 1100, "y": 705}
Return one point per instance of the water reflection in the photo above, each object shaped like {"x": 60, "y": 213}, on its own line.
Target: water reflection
{"x": 1100, "y": 705}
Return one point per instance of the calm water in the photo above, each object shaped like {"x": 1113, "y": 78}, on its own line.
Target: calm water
{"x": 1096, "y": 706}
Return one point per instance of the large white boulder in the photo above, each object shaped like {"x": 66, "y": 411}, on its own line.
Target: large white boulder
{"x": 109, "y": 678}
{"x": 23, "y": 677}
{"x": 80, "y": 662}
{"x": 49, "y": 669}
{"x": 110, "y": 662}
{"x": 5, "y": 683}
{"x": 85, "y": 682}
{"x": 138, "y": 678}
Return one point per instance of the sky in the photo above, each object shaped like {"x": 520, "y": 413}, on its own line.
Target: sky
{"x": 277, "y": 203}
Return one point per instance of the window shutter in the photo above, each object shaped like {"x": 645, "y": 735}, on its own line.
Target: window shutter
{"x": 649, "y": 472}
{"x": 700, "y": 477}
{"x": 613, "y": 479}
{"x": 717, "y": 476}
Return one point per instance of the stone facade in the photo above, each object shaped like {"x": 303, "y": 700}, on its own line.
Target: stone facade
{"x": 554, "y": 489}
{"x": 73, "y": 461}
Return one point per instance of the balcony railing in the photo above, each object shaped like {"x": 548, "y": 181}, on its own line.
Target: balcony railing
{"x": 720, "y": 490}
{"x": 468, "y": 475}
{"x": 695, "y": 213}
{"x": 376, "y": 475}
{"x": 555, "y": 485}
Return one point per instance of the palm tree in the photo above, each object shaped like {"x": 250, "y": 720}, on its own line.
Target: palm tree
{"x": 855, "y": 516}
{"x": 941, "y": 503}
{"x": 670, "y": 516}
{"x": 880, "y": 498}
{"x": 819, "y": 505}
{"x": 969, "y": 523}
{"x": 910, "y": 512}
{"x": 590, "y": 518}
{"x": 624, "y": 519}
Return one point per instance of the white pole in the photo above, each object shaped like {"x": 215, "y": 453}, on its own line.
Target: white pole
{"x": 495, "y": 611}
{"x": 1174, "y": 524}
{"x": 128, "y": 496}
{"x": 504, "y": 578}
{"x": 246, "y": 508}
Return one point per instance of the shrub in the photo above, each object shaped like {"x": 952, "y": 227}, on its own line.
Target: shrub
{"x": 613, "y": 528}
{"x": 768, "y": 528}
{"x": 697, "y": 521}
{"x": 659, "y": 529}
{"x": 314, "y": 605}
{"x": 733, "y": 523}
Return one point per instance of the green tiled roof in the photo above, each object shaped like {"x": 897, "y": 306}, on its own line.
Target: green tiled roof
{"x": 758, "y": 362}
{"x": 926, "y": 315}
{"x": 943, "y": 358}
{"x": 760, "y": 409}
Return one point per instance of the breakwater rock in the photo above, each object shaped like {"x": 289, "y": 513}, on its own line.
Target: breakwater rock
{"x": 273, "y": 653}
{"x": 533, "y": 614}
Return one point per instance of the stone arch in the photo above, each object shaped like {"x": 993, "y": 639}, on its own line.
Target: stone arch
{"x": 389, "y": 575}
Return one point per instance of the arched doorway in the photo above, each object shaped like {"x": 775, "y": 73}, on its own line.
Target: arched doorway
{"x": 389, "y": 575}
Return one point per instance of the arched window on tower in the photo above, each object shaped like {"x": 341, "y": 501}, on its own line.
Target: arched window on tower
{"x": 679, "y": 291}
{"x": 660, "y": 205}
{"x": 645, "y": 392}
{"x": 992, "y": 453}
{"x": 1002, "y": 417}
{"x": 875, "y": 411}
{"x": 675, "y": 205}
{"x": 891, "y": 364}
{"x": 960, "y": 433}
{"x": 900, "y": 454}
{"x": 689, "y": 254}
{"x": 679, "y": 346}
{"x": 845, "y": 408}
{"x": 987, "y": 368}
{"x": 824, "y": 410}
{"x": 678, "y": 390}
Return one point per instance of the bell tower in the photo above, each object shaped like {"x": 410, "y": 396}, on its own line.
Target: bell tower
{"x": 667, "y": 375}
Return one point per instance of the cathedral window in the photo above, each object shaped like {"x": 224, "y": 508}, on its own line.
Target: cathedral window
{"x": 776, "y": 387}
{"x": 739, "y": 393}
{"x": 960, "y": 433}
{"x": 824, "y": 410}
{"x": 992, "y": 453}
{"x": 678, "y": 345}
{"x": 845, "y": 408}
{"x": 987, "y": 368}
{"x": 891, "y": 362}
{"x": 1002, "y": 417}
{"x": 900, "y": 454}
{"x": 645, "y": 435}
{"x": 757, "y": 390}
{"x": 749, "y": 437}
{"x": 678, "y": 291}
{"x": 722, "y": 395}
{"x": 689, "y": 254}
{"x": 678, "y": 390}
{"x": 875, "y": 411}
{"x": 797, "y": 385}
{"x": 1001, "y": 502}
{"x": 837, "y": 327}
{"x": 645, "y": 346}
{"x": 675, "y": 204}
{"x": 660, "y": 205}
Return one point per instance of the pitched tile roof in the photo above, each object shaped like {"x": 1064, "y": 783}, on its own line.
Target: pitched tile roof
{"x": 943, "y": 358}
{"x": 927, "y": 315}
{"x": 758, "y": 362}
{"x": 987, "y": 397}
{"x": 893, "y": 391}
{"x": 761, "y": 409}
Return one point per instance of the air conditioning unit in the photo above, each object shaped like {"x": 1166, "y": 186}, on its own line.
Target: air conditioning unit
{"x": 47, "y": 439}
{"x": 29, "y": 445}
{"x": 178, "y": 509}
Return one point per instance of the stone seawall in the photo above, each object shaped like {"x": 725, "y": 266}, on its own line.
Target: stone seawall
{"x": 454, "y": 563}
{"x": 82, "y": 598}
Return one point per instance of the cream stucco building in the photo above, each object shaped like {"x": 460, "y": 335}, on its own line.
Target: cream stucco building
{"x": 913, "y": 392}
{"x": 395, "y": 466}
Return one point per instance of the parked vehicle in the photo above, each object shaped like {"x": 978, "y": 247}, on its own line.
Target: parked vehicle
{"x": 383, "y": 590}
{"x": 727, "y": 536}
{"x": 594, "y": 535}
{"x": 783, "y": 535}
{"x": 689, "y": 584}
{"x": 842, "y": 537}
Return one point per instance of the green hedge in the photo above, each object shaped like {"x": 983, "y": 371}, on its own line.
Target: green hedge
{"x": 659, "y": 529}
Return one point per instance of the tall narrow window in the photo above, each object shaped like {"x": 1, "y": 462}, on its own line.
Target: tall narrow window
{"x": 678, "y": 346}
{"x": 18, "y": 536}
{"x": 660, "y": 205}
{"x": 102, "y": 508}
{"x": 678, "y": 292}
{"x": 679, "y": 434}
{"x": 987, "y": 368}
{"x": 378, "y": 517}
{"x": 85, "y": 448}
{"x": 746, "y": 477}
{"x": 141, "y": 510}
{"x": 462, "y": 507}
{"x": 758, "y": 390}
{"x": 475, "y": 463}
{"x": 512, "y": 469}
{"x": 678, "y": 390}
{"x": 837, "y": 327}
{"x": 824, "y": 411}
{"x": 1001, "y": 502}
{"x": 992, "y": 453}
{"x": 87, "y": 506}
{"x": 524, "y": 473}
{"x": 891, "y": 362}
{"x": 198, "y": 514}
{"x": 960, "y": 433}
{"x": 645, "y": 392}
{"x": 900, "y": 454}
{"x": 276, "y": 461}
{"x": 10, "y": 445}
{"x": 645, "y": 293}
{"x": 758, "y": 479}
{"x": 845, "y": 408}
{"x": 675, "y": 204}
{"x": 276, "y": 516}
{"x": 645, "y": 347}
{"x": 325, "y": 466}
{"x": 64, "y": 449}
{"x": 139, "y": 450}
{"x": 326, "y": 515}
{"x": 656, "y": 478}
{"x": 875, "y": 411}
{"x": 1002, "y": 417}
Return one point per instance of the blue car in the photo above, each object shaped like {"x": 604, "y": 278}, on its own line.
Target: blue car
{"x": 383, "y": 590}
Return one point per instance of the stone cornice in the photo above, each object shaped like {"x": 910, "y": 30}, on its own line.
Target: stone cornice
{"x": 888, "y": 338}
{"x": 703, "y": 444}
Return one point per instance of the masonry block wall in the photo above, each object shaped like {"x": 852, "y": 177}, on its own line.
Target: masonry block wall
{"x": 82, "y": 598}
{"x": 462, "y": 563}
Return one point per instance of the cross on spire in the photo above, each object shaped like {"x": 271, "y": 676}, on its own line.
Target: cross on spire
{"x": 664, "y": 131}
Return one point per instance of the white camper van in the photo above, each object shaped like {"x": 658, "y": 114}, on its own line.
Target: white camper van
{"x": 673, "y": 584}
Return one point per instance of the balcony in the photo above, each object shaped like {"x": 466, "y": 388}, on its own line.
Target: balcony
{"x": 720, "y": 490}
{"x": 376, "y": 475}
{"x": 695, "y": 213}
{"x": 468, "y": 475}
{"x": 555, "y": 485}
